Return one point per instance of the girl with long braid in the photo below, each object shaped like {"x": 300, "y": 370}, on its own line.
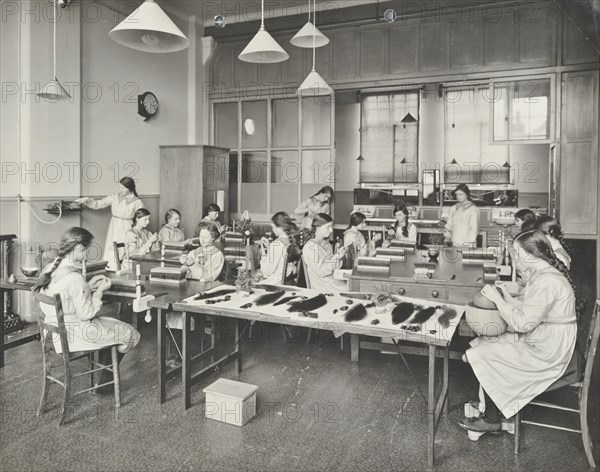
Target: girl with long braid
{"x": 523, "y": 362}
{"x": 82, "y": 302}
{"x": 274, "y": 253}
{"x": 123, "y": 206}
{"x": 138, "y": 240}
{"x": 403, "y": 230}
{"x": 551, "y": 228}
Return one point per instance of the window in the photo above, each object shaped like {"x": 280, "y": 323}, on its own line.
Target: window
{"x": 521, "y": 110}
{"x": 389, "y": 146}
{"x": 469, "y": 155}
{"x": 281, "y": 151}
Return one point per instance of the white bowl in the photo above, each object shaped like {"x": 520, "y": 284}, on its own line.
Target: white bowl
{"x": 504, "y": 221}
{"x": 485, "y": 322}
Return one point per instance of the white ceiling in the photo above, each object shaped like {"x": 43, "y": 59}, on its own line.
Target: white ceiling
{"x": 236, "y": 11}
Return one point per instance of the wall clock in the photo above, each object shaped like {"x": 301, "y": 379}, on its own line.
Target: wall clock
{"x": 147, "y": 105}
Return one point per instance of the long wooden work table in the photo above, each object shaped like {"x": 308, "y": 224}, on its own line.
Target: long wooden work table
{"x": 455, "y": 290}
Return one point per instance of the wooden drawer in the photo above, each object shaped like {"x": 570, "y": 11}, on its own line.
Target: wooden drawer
{"x": 407, "y": 289}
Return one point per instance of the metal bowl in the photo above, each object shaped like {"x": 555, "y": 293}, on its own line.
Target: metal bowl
{"x": 485, "y": 322}
{"x": 30, "y": 271}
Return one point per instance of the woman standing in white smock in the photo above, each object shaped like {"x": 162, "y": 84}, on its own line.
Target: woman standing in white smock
{"x": 123, "y": 206}
{"x": 320, "y": 202}
{"x": 462, "y": 227}
{"x": 523, "y": 362}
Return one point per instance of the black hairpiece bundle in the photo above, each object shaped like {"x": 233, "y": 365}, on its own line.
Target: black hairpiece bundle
{"x": 268, "y": 298}
{"x": 284, "y": 300}
{"x": 423, "y": 315}
{"x": 449, "y": 314}
{"x": 356, "y": 313}
{"x": 218, "y": 293}
{"x": 402, "y": 312}
{"x": 311, "y": 304}
{"x": 268, "y": 288}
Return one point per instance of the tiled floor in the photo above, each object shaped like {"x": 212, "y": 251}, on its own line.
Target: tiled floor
{"x": 317, "y": 411}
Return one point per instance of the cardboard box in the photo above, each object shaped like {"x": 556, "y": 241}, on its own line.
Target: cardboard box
{"x": 230, "y": 401}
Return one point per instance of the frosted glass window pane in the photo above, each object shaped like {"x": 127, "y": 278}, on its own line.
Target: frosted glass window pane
{"x": 254, "y": 124}
{"x": 376, "y": 139}
{"x": 316, "y": 121}
{"x": 317, "y": 168}
{"x": 285, "y": 122}
{"x": 285, "y": 168}
{"x": 254, "y": 182}
{"x": 501, "y": 112}
{"x": 406, "y": 137}
{"x": 233, "y": 182}
{"x": 226, "y": 125}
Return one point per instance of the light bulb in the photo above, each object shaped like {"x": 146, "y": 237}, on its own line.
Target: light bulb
{"x": 390, "y": 15}
{"x": 148, "y": 317}
{"x": 220, "y": 21}
{"x": 150, "y": 39}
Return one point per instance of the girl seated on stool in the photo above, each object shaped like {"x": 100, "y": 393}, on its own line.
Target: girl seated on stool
{"x": 138, "y": 240}
{"x": 211, "y": 215}
{"x": 534, "y": 352}
{"x": 551, "y": 228}
{"x": 171, "y": 232}
{"x": 274, "y": 253}
{"x": 82, "y": 302}
{"x": 319, "y": 258}
{"x": 403, "y": 230}
{"x": 354, "y": 237}
{"x": 206, "y": 262}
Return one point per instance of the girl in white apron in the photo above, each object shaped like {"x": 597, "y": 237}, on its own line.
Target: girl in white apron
{"x": 171, "y": 232}
{"x": 320, "y": 202}
{"x": 123, "y": 206}
{"x": 534, "y": 352}
{"x": 82, "y": 302}
{"x": 462, "y": 227}
{"x": 275, "y": 253}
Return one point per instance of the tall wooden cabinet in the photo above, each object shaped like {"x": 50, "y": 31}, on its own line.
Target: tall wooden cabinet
{"x": 579, "y": 171}
{"x": 191, "y": 177}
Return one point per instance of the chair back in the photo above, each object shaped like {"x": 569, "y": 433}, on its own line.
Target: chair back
{"x": 304, "y": 272}
{"x": 116, "y": 247}
{"x": 592, "y": 335}
{"x": 53, "y": 330}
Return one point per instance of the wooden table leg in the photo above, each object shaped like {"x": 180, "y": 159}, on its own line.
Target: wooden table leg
{"x": 162, "y": 367}
{"x": 431, "y": 408}
{"x": 2, "y": 296}
{"x": 186, "y": 368}
{"x": 238, "y": 349}
{"x": 354, "y": 347}
{"x": 445, "y": 381}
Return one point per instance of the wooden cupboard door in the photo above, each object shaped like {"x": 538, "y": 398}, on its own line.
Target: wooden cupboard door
{"x": 578, "y": 195}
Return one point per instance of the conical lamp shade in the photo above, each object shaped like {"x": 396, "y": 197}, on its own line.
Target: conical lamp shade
{"x": 54, "y": 90}
{"x": 149, "y": 29}
{"x": 304, "y": 37}
{"x": 314, "y": 85}
{"x": 263, "y": 49}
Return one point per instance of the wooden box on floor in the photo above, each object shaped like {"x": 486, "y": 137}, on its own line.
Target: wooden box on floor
{"x": 230, "y": 401}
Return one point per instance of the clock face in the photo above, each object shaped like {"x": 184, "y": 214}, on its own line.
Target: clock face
{"x": 150, "y": 103}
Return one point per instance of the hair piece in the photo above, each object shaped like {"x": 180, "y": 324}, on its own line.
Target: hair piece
{"x": 402, "y": 312}
{"x": 139, "y": 214}
{"x": 284, "y": 300}
{"x": 129, "y": 184}
{"x": 323, "y": 190}
{"x": 170, "y": 214}
{"x": 218, "y": 293}
{"x": 211, "y": 207}
{"x": 70, "y": 239}
{"x": 282, "y": 220}
{"x": 401, "y": 206}
{"x": 309, "y": 305}
{"x": 423, "y": 315}
{"x": 269, "y": 298}
{"x": 449, "y": 314}
{"x": 356, "y": 313}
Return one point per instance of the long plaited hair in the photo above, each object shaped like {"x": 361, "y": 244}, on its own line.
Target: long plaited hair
{"x": 129, "y": 184}
{"x": 282, "y": 220}
{"x": 70, "y": 239}
{"x": 536, "y": 243}
{"x": 551, "y": 227}
{"x": 401, "y": 206}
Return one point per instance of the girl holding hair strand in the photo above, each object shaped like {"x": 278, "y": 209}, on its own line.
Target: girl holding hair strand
{"x": 275, "y": 253}
{"x": 354, "y": 237}
{"x": 139, "y": 240}
{"x": 320, "y": 202}
{"x": 171, "y": 231}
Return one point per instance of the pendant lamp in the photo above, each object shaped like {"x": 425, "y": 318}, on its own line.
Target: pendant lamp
{"x": 54, "y": 90}
{"x": 304, "y": 37}
{"x": 149, "y": 29}
{"x": 408, "y": 119}
{"x": 314, "y": 84}
{"x": 263, "y": 48}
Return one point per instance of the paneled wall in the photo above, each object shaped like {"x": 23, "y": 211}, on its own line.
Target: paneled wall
{"x": 491, "y": 39}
